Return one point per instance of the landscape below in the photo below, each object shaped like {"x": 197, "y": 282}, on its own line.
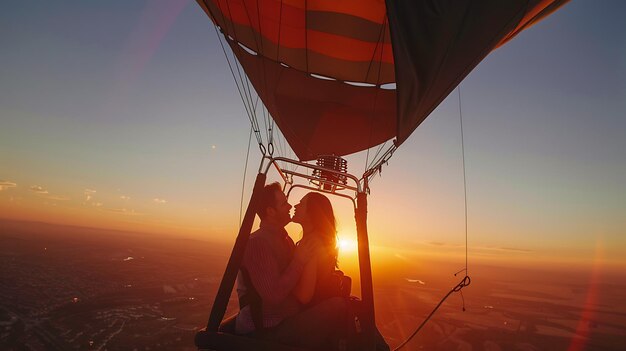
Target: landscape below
{"x": 65, "y": 288}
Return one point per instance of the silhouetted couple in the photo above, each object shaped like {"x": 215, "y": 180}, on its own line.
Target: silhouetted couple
{"x": 291, "y": 293}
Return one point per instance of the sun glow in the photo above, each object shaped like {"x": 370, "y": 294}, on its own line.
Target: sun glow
{"x": 346, "y": 245}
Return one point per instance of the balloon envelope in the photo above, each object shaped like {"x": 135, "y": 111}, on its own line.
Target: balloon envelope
{"x": 306, "y": 58}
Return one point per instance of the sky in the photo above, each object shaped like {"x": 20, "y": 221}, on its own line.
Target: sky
{"x": 124, "y": 115}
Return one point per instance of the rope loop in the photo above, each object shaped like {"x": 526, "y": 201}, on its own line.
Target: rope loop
{"x": 263, "y": 149}
{"x": 270, "y": 148}
{"x": 466, "y": 281}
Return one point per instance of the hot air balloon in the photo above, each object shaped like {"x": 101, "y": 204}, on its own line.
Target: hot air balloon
{"x": 343, "y": 76}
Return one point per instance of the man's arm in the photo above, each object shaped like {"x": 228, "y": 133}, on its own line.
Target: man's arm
{"x": 272, "y": 285}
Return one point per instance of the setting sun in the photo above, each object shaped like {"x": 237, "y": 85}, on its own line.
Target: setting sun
{"x": 346, "y": 245}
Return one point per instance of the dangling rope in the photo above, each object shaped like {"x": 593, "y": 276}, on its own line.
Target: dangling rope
{"x": 466, "y": 279}
{"x": 465, "y": 282}
{"x": 464, "y": 176}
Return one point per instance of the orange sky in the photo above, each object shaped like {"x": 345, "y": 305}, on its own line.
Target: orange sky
{"x": 154, "y": 138}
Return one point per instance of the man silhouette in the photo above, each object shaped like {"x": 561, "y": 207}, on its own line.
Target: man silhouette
{"x": 271, "y": 268}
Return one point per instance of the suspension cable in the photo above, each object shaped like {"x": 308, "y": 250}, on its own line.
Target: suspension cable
{"x": 381, "y": 42}
{"x": 245, "y": 170}
{"x": 260, "y": 51}
{"x": 243, "y": 88}
{"x": 246, "y": 84}
{"x": 232, "y": 72}
{"x": 375, "y": 158}
{"x": 464, "y": 174}
{"x": 248, "y": 107}
{"x": 378, "y": 161}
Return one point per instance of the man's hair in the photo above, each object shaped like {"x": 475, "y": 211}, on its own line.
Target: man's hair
{"x": 267, "y": 198}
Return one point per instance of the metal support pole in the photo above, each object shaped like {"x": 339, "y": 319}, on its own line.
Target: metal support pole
{"x": 236, "y": 256}
{"x": 368, "y": 324}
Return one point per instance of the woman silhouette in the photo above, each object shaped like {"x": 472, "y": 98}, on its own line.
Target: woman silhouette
{"x": 318, "y": 280}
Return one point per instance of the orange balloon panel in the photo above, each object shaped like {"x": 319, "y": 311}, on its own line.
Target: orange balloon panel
{"x": 333, "y": 117}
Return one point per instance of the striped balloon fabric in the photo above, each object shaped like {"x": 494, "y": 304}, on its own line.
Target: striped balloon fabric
{"x": 341, "y": 76}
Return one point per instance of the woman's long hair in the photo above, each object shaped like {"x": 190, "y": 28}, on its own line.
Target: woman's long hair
{"x": 320, "y": 211}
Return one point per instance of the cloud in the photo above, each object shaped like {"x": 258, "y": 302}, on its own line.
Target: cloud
{"x": 442, "y": 244}
{"x": 38, "y": 189}
{"x": 159, "y": 201}
{"x": 5, "y": 184}
{"x": 397, "y": 255}
{"x": 421, "y": 282}
{"x": 483, "y": 248}
{"x": 436, "y": 243}
{"x": 125, "y": 198}
{"x": 508, "y": 249}
{"x": 124, "y": 211}
{"x": 57, "y": 198}
{"x": 89, "y": 194}
{"x": 514, "y": 249}
{"x": 92, "y": 203}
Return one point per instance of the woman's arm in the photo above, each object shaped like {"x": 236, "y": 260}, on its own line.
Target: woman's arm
{"x": 305, "y": 288}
